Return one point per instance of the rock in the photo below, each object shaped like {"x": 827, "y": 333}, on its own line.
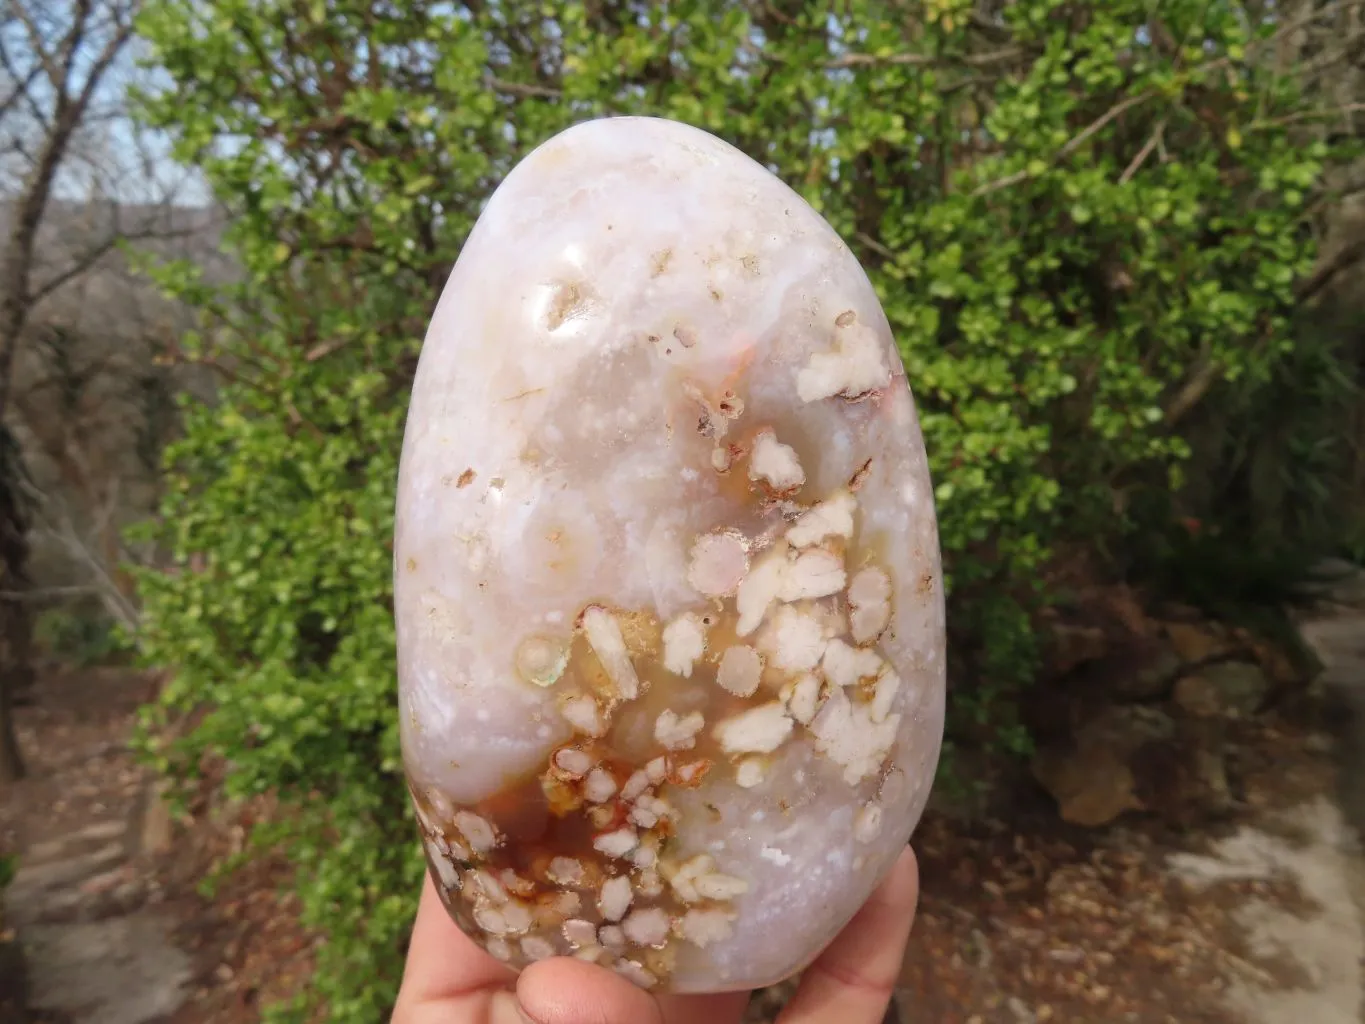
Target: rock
{"x": 1125, "y": 729}
{"x": 1092, "y": 778}
{"x": 1196, "y": 695}
{"x": 78, "y": 841}
{"x": 1319, "y": 743}
{"x": 1338, "y": 644}
{"x": 106, "y": 881}
{"x": 1194, "y": 644}
{"x": 158, "y": 826}
{"x": 1339, "y": 582}
{"x": 35, "y": 878}
{"x": 1211, "y": 774}
{"x": 1091, "y": 785}
{"x": 1147, "y": 673}
{"x": 1236, "y": 688}
{"x": 666, "y": 557}
{"x": 1073, "y": 646}
{"x": 119, "y": 971}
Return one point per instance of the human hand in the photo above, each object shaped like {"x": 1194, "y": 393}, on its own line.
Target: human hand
{"x": 450, "y": 980}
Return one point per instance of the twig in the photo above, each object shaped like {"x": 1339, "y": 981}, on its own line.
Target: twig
{"x": 1143, "y": 153}
{"x": 323, "y": 350}
{"x": 976, "y": 60}
{"x": 1308, "y": 115}
{"x": 1194, "y": 389}
{"x": 1325, "y": 272}
{"x": 522, "y": 89}
{"x": 874, "y": 245}
{"x": 1198, "y": 72}
{"x": 48, "y": 592}
{"x": 96, "y": 252}
{"x": 1074, "y": 144}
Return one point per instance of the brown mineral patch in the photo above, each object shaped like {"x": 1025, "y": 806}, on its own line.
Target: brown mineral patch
{"x": 750, "y": 264}
{"x": 412, "y": 565}
{"x": 642, "y": 633}
{"x": 856, "y": 481}
{"x": 465, "y": 479}
{"x": 658, "y": 262}
{"x": 686, "y": 336}
{"x": 571, "y": 299}
{"x": 845, "y": 319}
{"x": 716, "y": 295}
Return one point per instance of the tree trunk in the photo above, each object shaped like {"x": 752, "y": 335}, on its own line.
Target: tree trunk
{"x": 14, "y": 671}
{"x": 16, "y": 618}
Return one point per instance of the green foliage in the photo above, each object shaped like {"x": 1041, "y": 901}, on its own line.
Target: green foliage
{"x": 1083, "y": 224}
{"x": 1275, "y": 480}
{"x": 81, "y": 634}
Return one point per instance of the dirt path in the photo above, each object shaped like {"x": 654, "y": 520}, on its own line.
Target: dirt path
{"x": 87, "y": 911}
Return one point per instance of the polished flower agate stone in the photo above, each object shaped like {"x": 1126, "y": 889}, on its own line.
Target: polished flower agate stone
{"x": 667, "y": 582}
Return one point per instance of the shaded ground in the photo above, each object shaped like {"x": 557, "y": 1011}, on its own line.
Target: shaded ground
{"x": 88, "y": 908}
{"x": 1035, "y": 922}
{"x": 1157, "y": 919}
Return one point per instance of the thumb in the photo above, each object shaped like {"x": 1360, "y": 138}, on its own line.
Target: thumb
{"x": 566, "y": 991}
{"x": 562, "y": 990}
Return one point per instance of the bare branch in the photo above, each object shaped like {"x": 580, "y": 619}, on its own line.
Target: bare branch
{"x": 46, "y": 59}
{"x": 1323, "y": 275}
{"x": 16, "y": 259}
{"x": 976, "y": 60}
{"x": 1325, "y": 114}
{"x": 1152, "y": 143}
{"x": 1075, "y": 143}
{"x": 21, "y": 88}
{"x": 521, "y": 89}
{"x": 98, "y": 251}
{"x": 48, "y": 593}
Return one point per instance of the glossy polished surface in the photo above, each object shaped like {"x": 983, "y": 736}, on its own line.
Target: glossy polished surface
{"x": 667, "y": 583}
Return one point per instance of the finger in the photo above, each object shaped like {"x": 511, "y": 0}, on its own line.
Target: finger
{"x": 444, "y": 962}
{"x": 566, "y": 991}
{"x": 852, "y": 981}
{"x": 726, "y": 1008}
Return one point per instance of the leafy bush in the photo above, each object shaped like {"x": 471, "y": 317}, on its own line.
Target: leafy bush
{"x": 1084, "y": 223}
{"x": 83, "y": 634}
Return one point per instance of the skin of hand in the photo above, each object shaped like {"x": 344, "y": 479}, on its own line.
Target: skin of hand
{"x": 450, "y": 980}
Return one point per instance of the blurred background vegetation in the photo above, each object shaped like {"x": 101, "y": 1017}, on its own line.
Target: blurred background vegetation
{"x": 1120, "y": 243}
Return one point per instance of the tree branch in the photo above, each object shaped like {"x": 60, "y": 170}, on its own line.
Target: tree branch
{"x": 1152, "y": 143}
{"x": 521, "y": 89}
{"x": 96, "y": 252}
{"x": 1326, "y": 271}
{"x": 976, "y": 60}
{"x": 1075, "y": 143}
